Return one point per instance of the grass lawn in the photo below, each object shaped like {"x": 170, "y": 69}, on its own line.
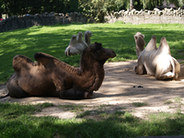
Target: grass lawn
{"x": 17, "y": 121}
{"x": 54, "y": 39}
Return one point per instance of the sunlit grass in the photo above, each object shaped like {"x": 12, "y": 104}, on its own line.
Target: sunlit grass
{"x": 54, "y": 39}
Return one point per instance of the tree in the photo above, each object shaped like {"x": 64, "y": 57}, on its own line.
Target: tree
{"x": 131, "y": 4}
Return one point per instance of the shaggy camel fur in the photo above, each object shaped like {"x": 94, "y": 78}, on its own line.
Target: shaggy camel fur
{"x": 77, "y": 45}
{"x": 155, "y": 61}
{"x": 52, "y": 77}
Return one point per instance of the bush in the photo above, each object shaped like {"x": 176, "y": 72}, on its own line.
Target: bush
{"x": 21, "y": 7}
{"x": 95, "y": 10}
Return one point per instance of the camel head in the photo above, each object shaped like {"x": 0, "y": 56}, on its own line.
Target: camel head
{"x": 98, "y": 53}
{"x": 139, "y": 41}
{"x": 77, "y": 44}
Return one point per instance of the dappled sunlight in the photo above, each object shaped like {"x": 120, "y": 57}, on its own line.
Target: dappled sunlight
{"x": 122, "y": 88}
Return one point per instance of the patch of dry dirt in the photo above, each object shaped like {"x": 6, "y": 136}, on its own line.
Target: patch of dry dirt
{"x": 121, "y": 88}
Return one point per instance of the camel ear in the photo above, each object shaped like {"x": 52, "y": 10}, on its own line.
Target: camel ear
{"x": 142, "y": 36}
{"x": 97, "y": 46}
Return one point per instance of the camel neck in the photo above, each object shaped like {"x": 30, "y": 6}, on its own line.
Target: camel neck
{"x": 88, "y": 76}
{"x": 92, "y": 73}
{"x": 92, "y": 78}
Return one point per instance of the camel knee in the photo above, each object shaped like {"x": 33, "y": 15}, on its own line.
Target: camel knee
{"x": 140, "y": 69}
{"x": 14, "y": 89}
{"x": 165, "y": 76}
{"x": 88, "y": 95}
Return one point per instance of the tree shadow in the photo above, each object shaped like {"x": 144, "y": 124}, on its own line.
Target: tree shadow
{"x": 54, "y": 39}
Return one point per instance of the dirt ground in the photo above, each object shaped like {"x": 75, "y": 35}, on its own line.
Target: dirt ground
{"x": 122, "y": 88}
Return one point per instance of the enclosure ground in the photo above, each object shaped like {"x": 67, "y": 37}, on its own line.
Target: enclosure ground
{"x": 122, "y": 90}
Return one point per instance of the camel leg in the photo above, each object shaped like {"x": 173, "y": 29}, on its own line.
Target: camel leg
{"x": 162, "y": 74}
{"x": 140, "y": 69}
{"x": 14, "y": 89}
{"x": 75, "y": 94}
{"x": 169, "y": 74}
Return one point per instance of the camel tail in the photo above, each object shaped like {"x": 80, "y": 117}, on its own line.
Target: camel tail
{"x": 173, "y": 67}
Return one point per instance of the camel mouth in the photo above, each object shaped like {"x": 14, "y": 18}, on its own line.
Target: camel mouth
{"x": 113, "y": 54}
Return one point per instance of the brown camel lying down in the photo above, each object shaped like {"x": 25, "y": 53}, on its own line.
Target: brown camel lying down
{"x": 155, "y": 61}
{"x": 52, "y": 77}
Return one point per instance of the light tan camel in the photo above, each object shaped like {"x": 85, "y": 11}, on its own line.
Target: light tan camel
{"x": 77, "y": 44}
{"x": 155, "y": 61}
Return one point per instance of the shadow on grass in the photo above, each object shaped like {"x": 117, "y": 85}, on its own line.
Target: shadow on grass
{"x": 118, "y": 124}
{"x": 54, "y": 39}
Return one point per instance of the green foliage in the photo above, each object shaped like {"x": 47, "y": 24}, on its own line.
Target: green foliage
{"x": 54, "y": 39}
{"x": 20, "y": 7}
{"x": 151, "y": 4}
{"x": 95, "y": 10}
{"x": 12, "y": 111}
{"x": 139, "y": 104}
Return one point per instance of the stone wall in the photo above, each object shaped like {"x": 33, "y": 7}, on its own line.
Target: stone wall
{"x": 25, "y": 21}
{"x": 155, "y": 16}
{"x": 129, "y": 16}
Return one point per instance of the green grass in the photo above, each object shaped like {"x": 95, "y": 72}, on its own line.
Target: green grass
{"x": 17, "y": 121}
{"x": 139, "y": 104}
{"x": 72, "y": 107}
{"x": 54, "y": 39}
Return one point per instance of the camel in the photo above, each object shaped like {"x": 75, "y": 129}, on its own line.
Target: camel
{"x": 155, "y": 61}
{"x": 49, "y": 76}
{"x": 77, "y": 45}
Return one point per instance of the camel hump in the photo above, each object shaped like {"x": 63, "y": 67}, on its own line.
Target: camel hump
{"x": 20, "y": 61}
{"x": 73, "y": 40}
{"x": 44, "y": 59}
{"x": 164, "y": 47}
{"x": 79, "y": 37}
{"x": 152, "y": 44}
{"x": 88, "y": 34}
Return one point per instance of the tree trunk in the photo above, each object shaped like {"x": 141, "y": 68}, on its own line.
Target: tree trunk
{"x": 131, "y": 4}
